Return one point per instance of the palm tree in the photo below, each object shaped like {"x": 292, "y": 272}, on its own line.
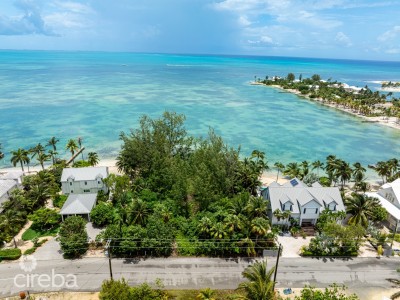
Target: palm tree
{"x": 317, "y": 165}
{"x": 72, "y": 146}
{"x": 42, "y": 158}
{"x": 53, "y": 155}
{"x": 259, "y": 226}
{"x": 361, "y": 208}
{"x": 343, "y": 171}
{"x": 52, "y": 143}
{"x": 256, "y": 207}
{"x": 259, "y": 285}
{"x": 218, "y": 231}
{"x": 280, "y": 167}
{"x": 358, "y": 172}
{"x": 304, "y": 168}
{"x": 93, "y": 158}
{"x": 278, "y": 214}
{"x": 1, "y": 153}
{"x": 292, "y": 169}
{"x": 204, "y": 226}
{"x": 139, "y": 212}
{"x": 382, "y": 168}
{"x": 36, "y": 150}
{"x": 80, "y": 140}
{"x": 232, "y": 222}
{"x": 206, "y": 294}
{"x": 20, "y": 156}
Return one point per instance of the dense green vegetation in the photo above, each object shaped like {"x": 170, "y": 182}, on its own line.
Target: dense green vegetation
{"x": 192, "y": 196}
{"x": 364, "y": 101}
{"x": 10, "y": 254}
{"x": 73, "y": 237}
{"x": 37, "y": 190}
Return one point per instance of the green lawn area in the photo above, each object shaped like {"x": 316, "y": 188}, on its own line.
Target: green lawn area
{"x": 30, "y": 233}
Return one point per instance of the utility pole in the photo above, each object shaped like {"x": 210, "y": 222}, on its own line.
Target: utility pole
{"x": 108, "y": 248}
{"x": 276, "y": 265}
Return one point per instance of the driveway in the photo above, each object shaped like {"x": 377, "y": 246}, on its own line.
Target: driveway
{"x": 291, "y": 246}
{"x": 49, "y": 250}
{"x": 92, "y": 231}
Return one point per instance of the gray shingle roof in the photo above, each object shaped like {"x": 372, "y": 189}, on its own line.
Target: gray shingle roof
{"x": 80, "y": 174}
{"x": 301, "y": 194}
{"x": 78, "y": 204}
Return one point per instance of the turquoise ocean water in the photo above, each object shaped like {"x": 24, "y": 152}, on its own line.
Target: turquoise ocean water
{"x": 97, "y": 95}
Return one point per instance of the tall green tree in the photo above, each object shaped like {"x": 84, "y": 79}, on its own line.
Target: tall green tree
{"x": 42, "y": 158}
{"x": 259, "y": 285}
{"x": 73, "y": 237}
{"x": 72, "y": 146}
{"x": 93, "y": 158}
{"x": 279, "y": 167}
{"x": 20, "y": 156}
{"x": 53, "y": 143}
{"x": 317, "y": 165}
{"x": 361, "y": 208}
{"x": 1, "y": 153}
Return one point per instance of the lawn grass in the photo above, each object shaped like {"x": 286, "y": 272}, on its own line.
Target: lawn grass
{"x": 30, "y": 233}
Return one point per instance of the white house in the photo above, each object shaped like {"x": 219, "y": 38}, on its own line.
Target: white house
{"x": 389, "y": 197}
{"x": 14, "y": 175}
{"x": 6, "y": 187}
{"x": 303, "y": 202}
{"x": 83, "y": 180}
{"x": 78, "y": 205}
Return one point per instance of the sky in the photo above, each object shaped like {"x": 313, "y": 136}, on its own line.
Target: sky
{"x": 350, "y": 29}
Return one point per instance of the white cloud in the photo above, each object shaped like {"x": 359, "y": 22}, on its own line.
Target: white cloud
{"x": 393, "y": 51}
{"x": 343, "y": 39}
{"x": 244, "y": 21}
{"x": 390, "y": 34}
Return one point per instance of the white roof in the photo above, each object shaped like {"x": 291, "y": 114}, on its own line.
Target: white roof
{"x": 298, "y": 192}
{"x": 12, "y": 175}
{"x": 78, "y": 204}
{"x": 391, "y": 209}
{"x": 6, "y": 185}
{"x": 395, "y": 185}
{"x": 81, "y": 174}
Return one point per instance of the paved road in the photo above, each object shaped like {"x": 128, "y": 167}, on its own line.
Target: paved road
{"x": 359, "y": 274}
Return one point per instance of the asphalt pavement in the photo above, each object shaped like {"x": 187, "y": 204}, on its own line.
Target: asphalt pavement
{"x": 358, "y": 274}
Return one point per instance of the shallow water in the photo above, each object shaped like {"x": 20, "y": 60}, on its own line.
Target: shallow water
{"x": 97, "y": 95}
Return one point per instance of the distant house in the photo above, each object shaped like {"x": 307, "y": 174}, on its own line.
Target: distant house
{"x": 14, "y": 175}
{"x": 389, "y": 197}
{"x": 303, "y": 202}
{"x": 83, "y": 180}
{"x": 78, "y": 205}
{"x": 6, "y": 187}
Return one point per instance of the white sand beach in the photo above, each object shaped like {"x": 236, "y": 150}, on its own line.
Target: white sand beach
{"x": 392, "y": 122}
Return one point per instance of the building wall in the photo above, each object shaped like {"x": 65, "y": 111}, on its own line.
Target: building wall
{"x": 389, "y": 195}
{"x": 83, "y": 187}
{"x": 312, "y": 212}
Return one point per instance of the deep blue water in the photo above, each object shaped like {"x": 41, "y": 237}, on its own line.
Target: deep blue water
{"x": 96, "y": 95}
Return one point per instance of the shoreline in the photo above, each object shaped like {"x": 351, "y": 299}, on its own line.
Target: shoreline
{"x": 381, "y": 120}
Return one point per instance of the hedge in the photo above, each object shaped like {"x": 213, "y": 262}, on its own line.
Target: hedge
{"x": 10, "y": 254}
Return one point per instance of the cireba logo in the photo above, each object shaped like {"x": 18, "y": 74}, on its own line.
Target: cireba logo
{"x": 28, "y": 263}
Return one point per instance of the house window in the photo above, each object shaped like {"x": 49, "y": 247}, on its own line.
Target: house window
{"x": 70, "y": 183}
{"x": 85, "y": 182}
{"x": 98, "y": 182}
{"x": 316, "y": 210}
{"x": 86, "y": 191}
{"x": 72, "y": 192}
{"x": 304, "y": 211}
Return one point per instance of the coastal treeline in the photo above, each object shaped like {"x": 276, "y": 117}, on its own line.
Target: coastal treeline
{"x": 183, "y": 195}
{"x": 360, "y": 100}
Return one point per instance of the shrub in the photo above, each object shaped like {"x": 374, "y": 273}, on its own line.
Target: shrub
{"x": 44, "y": 218}
{"x": 10, "y": 254}
{"x": 59, "y": 200}
{"x": 30, "y": 251}
{"x": 73, "y": 237}
{"x": 102, "y": 214}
